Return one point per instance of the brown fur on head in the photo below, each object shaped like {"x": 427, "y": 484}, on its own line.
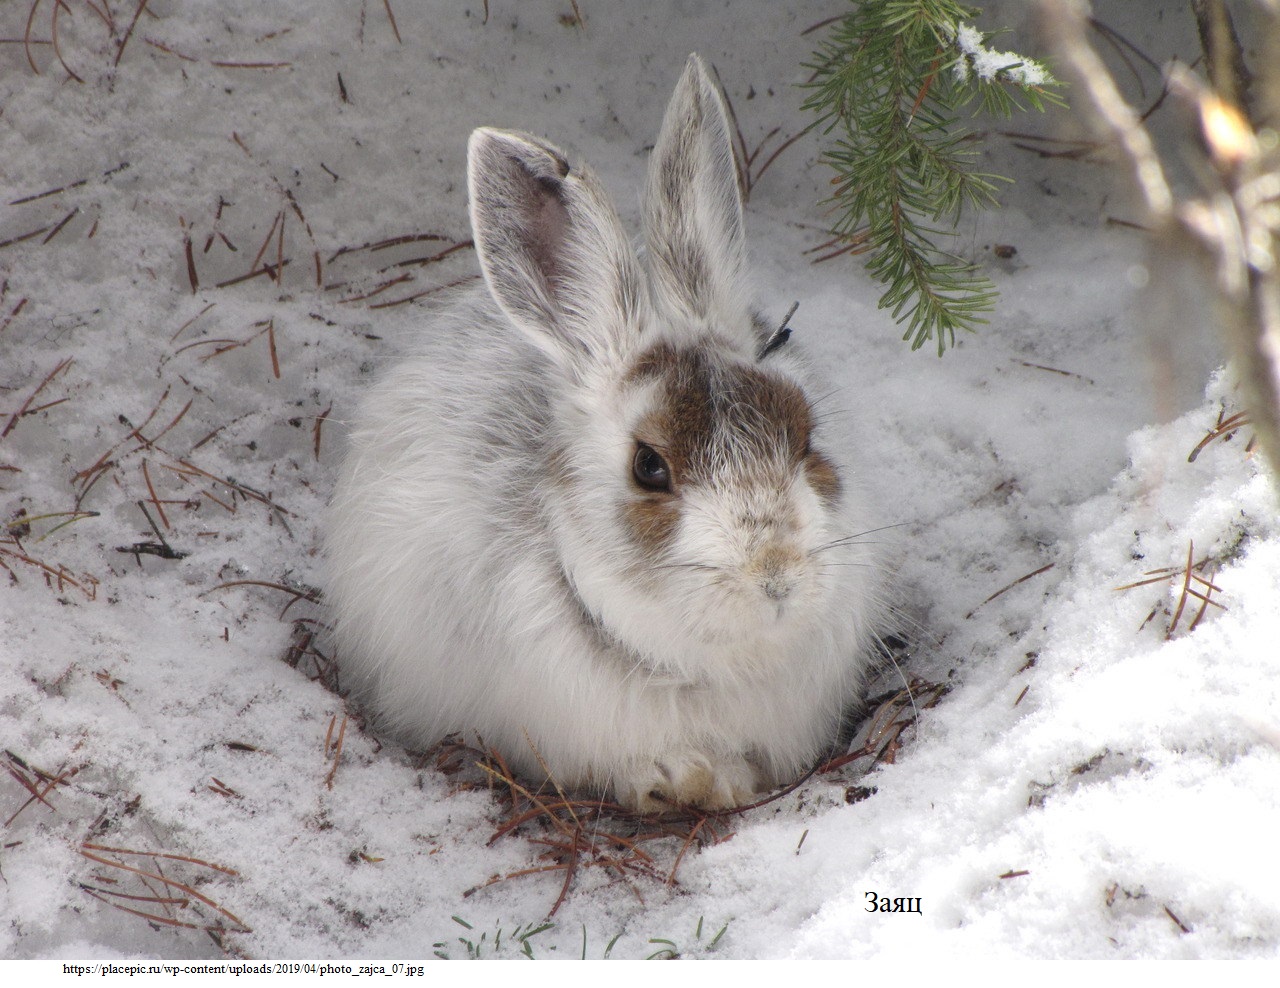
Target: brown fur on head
{"x": 722, "y": 422}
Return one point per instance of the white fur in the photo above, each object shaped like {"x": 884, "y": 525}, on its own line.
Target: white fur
{"x": 482, "y": 575}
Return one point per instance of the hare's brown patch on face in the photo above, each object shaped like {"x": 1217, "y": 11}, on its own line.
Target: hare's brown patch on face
{"x": 652, "y": 519}
{"x": 822, "y": 477}
{"x": 766, "y": 417}
{"x": 719, "y": 424}
{"x": 714, "y": 416}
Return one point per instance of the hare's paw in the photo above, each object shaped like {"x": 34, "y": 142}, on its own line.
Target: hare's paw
{"x": 689, "y": 779}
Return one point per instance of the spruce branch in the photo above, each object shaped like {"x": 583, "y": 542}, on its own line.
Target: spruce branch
{"x": 889, "y": 83}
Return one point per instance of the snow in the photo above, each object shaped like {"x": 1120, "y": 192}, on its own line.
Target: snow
{"x": 1130, "y": 775}
{"x": 990, "y": 65}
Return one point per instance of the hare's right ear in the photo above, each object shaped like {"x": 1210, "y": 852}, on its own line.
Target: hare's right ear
{"x": 693, "y": 220}
{"x": 552, "y": 249}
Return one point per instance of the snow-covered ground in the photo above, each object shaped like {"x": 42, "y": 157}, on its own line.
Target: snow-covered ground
{"x": 1100, "y": 780}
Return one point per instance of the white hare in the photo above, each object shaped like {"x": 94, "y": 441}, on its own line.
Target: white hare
{"x": 595, "y": 521}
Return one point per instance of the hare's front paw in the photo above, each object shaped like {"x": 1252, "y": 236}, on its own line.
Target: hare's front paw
{"x": 689, "y": 779}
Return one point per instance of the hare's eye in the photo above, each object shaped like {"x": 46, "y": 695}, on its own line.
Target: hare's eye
{"x": 650, "y": 469}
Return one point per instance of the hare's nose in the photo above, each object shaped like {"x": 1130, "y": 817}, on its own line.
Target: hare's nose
{"x": 777, "y": 588}
{"x": 777, "y": 571}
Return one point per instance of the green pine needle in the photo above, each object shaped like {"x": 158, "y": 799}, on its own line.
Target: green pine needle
{"x": 889, "y": 84}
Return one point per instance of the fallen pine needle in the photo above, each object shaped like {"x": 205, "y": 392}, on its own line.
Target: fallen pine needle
{"x": 1006, "y": 589}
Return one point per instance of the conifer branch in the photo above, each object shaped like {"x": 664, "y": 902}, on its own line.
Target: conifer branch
{"x": 888, "y": 86}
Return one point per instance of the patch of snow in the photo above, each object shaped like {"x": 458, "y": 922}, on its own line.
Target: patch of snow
{"x": 990, "y": 66}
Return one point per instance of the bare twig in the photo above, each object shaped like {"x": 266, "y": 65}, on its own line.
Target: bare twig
{"x": 1067, "y": 25}
{"x": 1233, "y": 229}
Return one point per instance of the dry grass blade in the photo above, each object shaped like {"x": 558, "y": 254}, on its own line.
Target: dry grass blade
{"x": 279, "y": 218}
{"x": 150, "y": 443}
{"x": 142, "y": 5}
{"x": 1182, "y": 927}
{"x": 1120, "y": 44}
{"x": 315, "y": 247}
{"x": 271, "y": 343}
{"x": 768, "y": 162}
{"x": 226, "y": 345}
{"x": 27, "y": 776}
{"x": 146, "y": 475}
{"x": 26, "y": 36}
{"x": 59, "y": 575}
{"x": 309, "y": 594}
{"x": 577, "y": 834}
{"x": 183, "y": 466}
{"x": 430, "y": 291}
{"x": 554, "y": 782}
{"x": 88, "y": 476}
{"x": 395, "y": 29}
{"x": 438, "y": 256}
{"x": 1053, "y": 147}
{"x": 320, "y": 420}
{"x": 13, "y": 314}
{"x": 1007, "y": 588}
{"x": 689, "y": 841}
{"x": 1055, "y": 370}
{"x": 499, "y": 773}
{"x": 883, "y": 731}
{"x": 821, "y": 24}
{"x": 37, "y": 795}
{"x": 743, "y": 156}
{"x": 390, "y": 242}
{"x": 103, "y": 13}
{"x": 266, "y": 270}
{"x": 58, "y": 7}
{"x": 1186, "y": 587}
{"x": 101, "y": 896}
{"x": 169, "y": 50}
{"x": 189, "y": 253}
{"x": 280, "y": 249}
{"x": 188, "y": 893}
{"x": 251, "y": 65}
{"x": 61, "y": 223}
{"x": 188, "y": 324}
{"x": 1194, "y": 584}
{"x": 374, "y": 292}
{"x": 1224, "y": 429}
{"x": 222, "y": 789}
{"x": 841, "y": 244}
{"x": 303, "y": 655}
{"x": 20, "y": 526}
{"x": 68, "y": 187}
{"x": 24, "y": 237}
{"x": 333, "y": 748}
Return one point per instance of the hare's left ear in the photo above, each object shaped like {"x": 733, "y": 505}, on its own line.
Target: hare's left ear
{"x": 552, "y": 250}
{"x": 693, "y": 224}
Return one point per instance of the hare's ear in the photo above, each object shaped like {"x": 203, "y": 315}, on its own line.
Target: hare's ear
{"x": 693, "y": 221}
{"x": 552, "y": 249}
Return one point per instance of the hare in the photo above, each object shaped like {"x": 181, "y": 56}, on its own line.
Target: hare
{"x": 595, "y": 519}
